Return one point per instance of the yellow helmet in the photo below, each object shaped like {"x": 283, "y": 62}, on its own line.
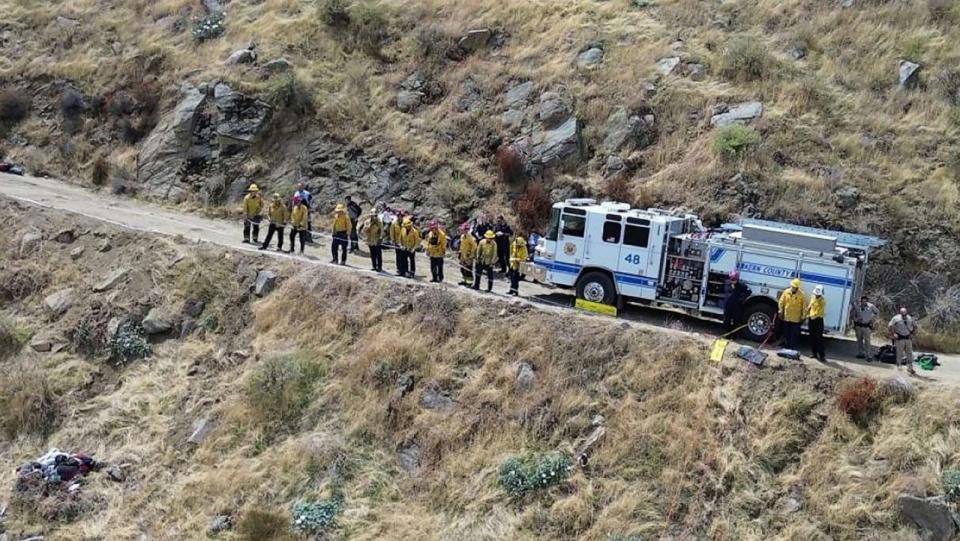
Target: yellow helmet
{"x": 276, "y": 196}
{"x": 489, "y": 235}
{"x": 795, "y": 283}
{"x": 339, "y": 208}
{"x": 407, "y": 221}
{"x": 253, "y": 188}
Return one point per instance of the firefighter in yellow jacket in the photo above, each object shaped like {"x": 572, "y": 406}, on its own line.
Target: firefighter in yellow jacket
{"x": 299, "y": 223}
{"x": 278, "y": 216}
{"x": 518, "y": 254}
{"x": 486, "y": 257}
{"x": 396, "y": 226}
{"x": 436, "y": 242}
{"x": 372, "y": 231}
{"x": 792, "y": 305}
{"x": 252, "y": 214}
{"x": 815, "y": 314}
{"x": 467, "y": 255}
{"x": 409, "y": 244}
{"x": 341, "y": 228}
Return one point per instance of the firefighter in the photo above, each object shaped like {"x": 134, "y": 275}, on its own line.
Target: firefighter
{"x": 298, "y": 224}
{"x": 436, "y": 250}
{"x": 737, "y": 293}
{"x": 486, "y": 258}
{"x": 396, "y": 227}
{"x": 307, "y": 197}
{"x": 792, "y": 304}
{"x": 409, "y": 244}
{"x": 503, "y": 233}
{"x": 815, "y": 314}
{"x": 278, "y": 216}
{"x": 518, "y": 254}
{"x": 252, "y": 210}
{"x": 904, "y": 327}
{"x": 467, "y": 253}
{"x": 373, "y": 233}
{"x": 863, "y": 315}
{"x": 341, "y": 227}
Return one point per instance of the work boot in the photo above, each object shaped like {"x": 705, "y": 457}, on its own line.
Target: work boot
{"x": 333, "y": 261}
{"x": 262, "y": 247}
{"x": 861, "y": 356}
{"x": 280, "y": 248}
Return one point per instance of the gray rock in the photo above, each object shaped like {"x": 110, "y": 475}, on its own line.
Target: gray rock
{"x": 59, "y": 302}
{"x": 557, "y": 149}
{"x": 585, "y": 447}
{"x": 519, "y": 95}
{"x": 622, "y": 128}
{"x": 409, "y": 101}
{"x": 163, "y": 155}
{"x": 193, "y": 308}
{"x": 931, "y": 514}
{"x": 847, "y": 197}
{"x": 66, "y": 22}
{"x": 187, "y": 326}
{"x": 279, "y": 65}
{"x": 436, "y": 399}
{"x": 590, "y": 58}
{"x": 846, "y": 4}
{"x": 613, "y": 165}
{"x": 474, "y": 40}
{"x": 113, "y": 326}
{"x": 41, "y": 344}
{"x": 471, "y": 98}
{"x": 30, "y": 242}
{"x": 738, "y": 114}
{"x": 405, "y": 384}
{"x": 792, "y": 505}
{"x": 201, "y": 429}
{"x": 212, "y": 6}
{"x": 242, "y": 56}
{"x": 526, "y": 378}
{"x": 116, "y": 473}
{"x": 111, "y": 280}
{"x": 696, "y": 72}
{"x": 909, "y": 74}
{"x": 77, "y": 253}
{"x": 65, "y": 236}
{"x": 899, "y": 388}
{"x": 241, "y": 119}
{"x": 156, "y": 323}
{"x": 647, "y": 89}
{"x": 513, "y": 118}
{"x": 409, "y": 457}
{"x": 266, "y": 281}
{"x": 665, "y": 66}
{"x": 797, "y": 53}
{"x": 104, "y": 246}
{"x": 554, "y": 109}
{"x": 220, "y": 523}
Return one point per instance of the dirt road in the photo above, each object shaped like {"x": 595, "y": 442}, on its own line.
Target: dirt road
{"x": 145, "y": 217}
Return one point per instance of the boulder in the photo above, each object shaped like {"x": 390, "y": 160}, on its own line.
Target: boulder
{"x": 113, "y": 326}
{"x": 111, "y": 280}
{"x": 526, "y": 378}
{"x": 67, "y": 23}
{"x": 797, "y": 53}
{"x": 471, "y": 98}
{"x": 61, "y": 301}
{"x": 847, "y": 197}
{"x": 30, "y": 242}
{"x": 696, "y": 72}
{"x": 557, "y": 149}
{"x": 65, "y": 236}
{"x": 219, "y": 523}
{"x": 405, "y": 384}
{"x": 41, "y": 344}
{"x": 104, "y": 246}
{"x": 519, "y": 95}
{"x": 201, "y": 429}
{"x": 156, "y": 323}
{"x": 77, "y": 252}
{"x": 242, "y": 56}
{"x": 116, "y": 473}
{"x": 908, "y": 74}
{"x": 279, "y": 65}
{"x": 738, "y": 114}
{"x": 665, "y": 66}
{"x": 213, "y": 7}
{"x": 931, "y": 514}
{"x": 241, "y": 119}
{"x": 590, "y": 58}
{"x": 513, "y": 119}
{"x": 474, "y": 40}
{"x": 163, "y": 155}
{"x": 554, "y": 110}
{"x": 622, "y": 128}
{"x": 409, "y": 101}
{"x": 409, "y": 457}
{"x": 435, "y": 398}
{"x": 613, "y": 165}
{"x": 266, "y": 281}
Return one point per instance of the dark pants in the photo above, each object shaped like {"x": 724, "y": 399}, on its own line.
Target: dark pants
{"x": 354, "y": 238}
{"x": 278, "y": 229}
{"x": 816, "y": 339}
{"x": 251, "y": 224}
{"x": 515, "y": 280}
{"x": 339, "y": 244}
{"x": 466, "y": 271}
{"x": 410, "y": 262}
{"x": 294, "y": 235}
{"x": 436, "y": 269}
{"x": 503, "y": 253}
{"x": 401, "y": 261}
{"x": 791, "y": 335}
{"x": 376, "y": 257}
{"x": 731, "y": 316}
{"x": 479, "y": 274}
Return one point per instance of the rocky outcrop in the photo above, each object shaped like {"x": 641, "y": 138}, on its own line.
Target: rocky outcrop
{"x": 110, "y": 280}
{"x": 665, "y": 66}
{"x": 279, "y": 65}
{"x": 59, "y": 302}
{"x": 624, "y": 129}
{"x": 242, "y": 56}
{"x": 164, "y": 153}
{"x": 474, "y": 40}
{"x": 240, "y": 119}
{"x": 266, "y": 281}
{"x": 156, "y": 323}
{"x": 930, "y": 514}
{"x": 737, "y": 114}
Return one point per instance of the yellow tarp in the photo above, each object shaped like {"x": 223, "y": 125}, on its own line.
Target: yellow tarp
{"x": 719, "y": 347}
{"x": 596, "y": 308}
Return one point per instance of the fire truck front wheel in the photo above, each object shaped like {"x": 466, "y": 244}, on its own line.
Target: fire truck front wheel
{"x": 758, "y": 321}
{"x": 597, "y": 287}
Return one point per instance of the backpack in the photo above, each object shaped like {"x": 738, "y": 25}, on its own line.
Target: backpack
{"x": 927, "y": 361}
{"x": 887, "y": 354}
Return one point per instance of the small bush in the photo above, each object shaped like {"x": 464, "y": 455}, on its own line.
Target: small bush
{"x": 72, "y": 104}
{"x": 745, "y": 59}
{"x": 315, "y": 518}
{"x": 618, "y": 189}
{"x": 334, "y": 13}
{"x": 941, "y": 10}
{"x": 100, "y": 173}
{"x": 369, "y": 27}
{"x": 947, "y": 83}
{"x": 455, "y": 194}
{"x": 733, "y": 142}
{"x": 951, "y": 485}
{"x": 18, "y": 283}
{"x": 288, "y": 93}
{"x": 281, "y": 388}
{"x": 27, "y": 403}
{"x": 257, "y": 525}
{"x": 209, "y": 27}
{"x": 14, "y": 105}
{"x": 435, "y": 44}
{"x": 437, "y": 311}
{"x": 533, "y": 207}
{"x": 128, "y": 345}
{"x": 522, "y": 475}
{"x": 11, "y": 339}
{"x": 510, "y": 164}
{"x": 858, "y": 399}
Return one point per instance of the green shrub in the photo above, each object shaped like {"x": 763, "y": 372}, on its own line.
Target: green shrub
{"x": 455, "y": 194}
{"x": 11, "y": 338}
{"x": 209, "y": 27}
{"x": 27, "y": 403}
{"x": 369, "y": 27}
{"x": 281, "y": 387}
{"x": 334, "y": 13}
{"x": 532, "y": 472}
{"x": 288, "y": 93}
{"x": 315, "y": 518}
{"x": 733, "y": 142}
{"x": 745, "y": 59}
{"x": 951, "y": 485}
{"x": 129, "y": 344}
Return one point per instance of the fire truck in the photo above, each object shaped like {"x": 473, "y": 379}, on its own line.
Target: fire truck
{"x": 610, "y": 254}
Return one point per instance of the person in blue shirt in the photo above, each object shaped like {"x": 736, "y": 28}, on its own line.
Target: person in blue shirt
{"x": 532, "y": 241}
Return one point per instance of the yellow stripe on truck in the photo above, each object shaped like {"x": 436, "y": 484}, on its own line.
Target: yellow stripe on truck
{"x": 596, "y": 308}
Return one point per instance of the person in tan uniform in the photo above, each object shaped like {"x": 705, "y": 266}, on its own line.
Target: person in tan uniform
{"x": 863, "y": 315}
{"x": 904, "y": 327}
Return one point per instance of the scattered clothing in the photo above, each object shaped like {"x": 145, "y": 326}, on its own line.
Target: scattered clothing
{"x": 54, "y": 467}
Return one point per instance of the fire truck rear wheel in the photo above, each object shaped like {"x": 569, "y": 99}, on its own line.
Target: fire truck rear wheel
{"x": 759, "y": 320}
{"x": 597, "y": 287}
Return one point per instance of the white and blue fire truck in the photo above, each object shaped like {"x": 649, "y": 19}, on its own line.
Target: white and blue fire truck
{"x": 611, "y": 254}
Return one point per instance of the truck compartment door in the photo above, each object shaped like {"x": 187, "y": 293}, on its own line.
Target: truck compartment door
{"x": 638, "y": 266}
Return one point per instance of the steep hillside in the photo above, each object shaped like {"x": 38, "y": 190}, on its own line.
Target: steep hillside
{"x": 372, "y": 409}
{"x": 449, "y": 107}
